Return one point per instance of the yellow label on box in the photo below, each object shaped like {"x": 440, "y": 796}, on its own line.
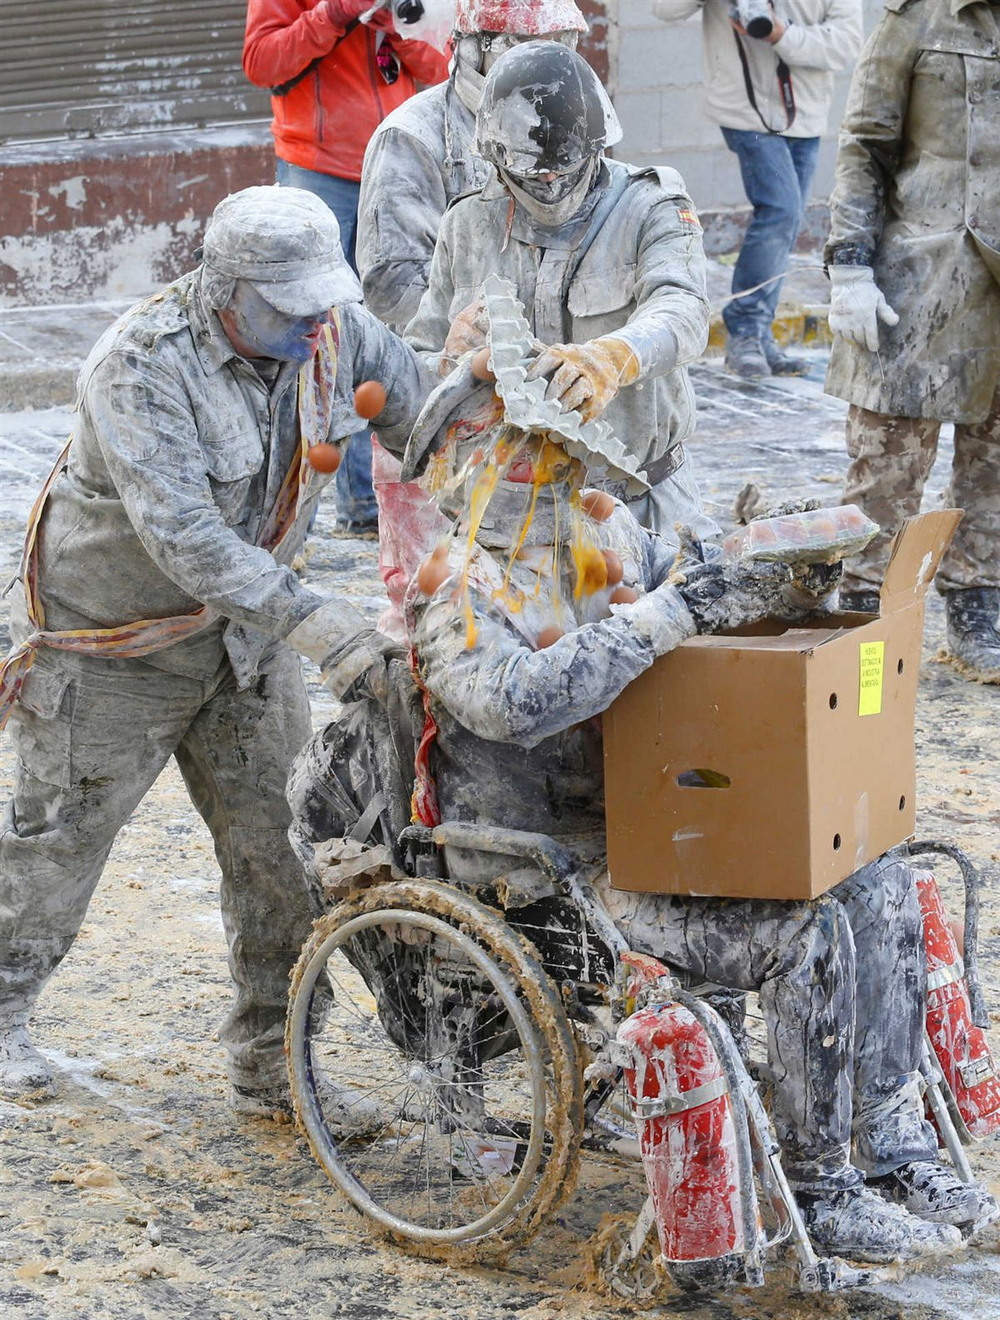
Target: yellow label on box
{"x": 870, "y": 687}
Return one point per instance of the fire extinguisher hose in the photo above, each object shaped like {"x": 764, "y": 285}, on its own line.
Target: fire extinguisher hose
{"x": 972, "y": 880}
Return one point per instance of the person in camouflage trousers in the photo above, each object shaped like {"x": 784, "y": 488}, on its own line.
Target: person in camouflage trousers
{"x": 914, "y": 263}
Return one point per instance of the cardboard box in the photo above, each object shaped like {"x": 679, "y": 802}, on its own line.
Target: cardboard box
{"x": 774, "y": 763}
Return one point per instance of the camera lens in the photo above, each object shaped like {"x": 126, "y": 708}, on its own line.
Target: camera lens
{"x": 408, "y": 11}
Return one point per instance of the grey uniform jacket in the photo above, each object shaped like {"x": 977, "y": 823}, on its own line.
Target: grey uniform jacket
{"x": 177, "y": 454}
{"x": 642, "y": 278}
{"x": 419, "y": 159}
{"x": 917, "y": 197}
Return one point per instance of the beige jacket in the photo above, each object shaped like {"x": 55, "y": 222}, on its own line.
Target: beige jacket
{"x": 917, "y": 197}
{"x": 822, "y": 36}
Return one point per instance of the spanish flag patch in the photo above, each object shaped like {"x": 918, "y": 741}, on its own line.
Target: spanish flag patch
{"x": 689, "y": 217}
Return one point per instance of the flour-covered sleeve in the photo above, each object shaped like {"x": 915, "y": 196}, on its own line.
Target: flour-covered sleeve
{"x": 142, "y": 416}
{"x": 402, "y": 201}
{"x": 429, "y": 328}
{"x": 669, "y": 325}
{"x": 500, "y": 689}
{"x": 375, "y": 353}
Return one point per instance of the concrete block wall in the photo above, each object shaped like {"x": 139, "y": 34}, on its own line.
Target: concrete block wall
{"x": 656, "y": 82}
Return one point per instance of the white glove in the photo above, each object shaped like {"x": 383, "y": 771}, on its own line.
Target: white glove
{"x": 857, "y": 305}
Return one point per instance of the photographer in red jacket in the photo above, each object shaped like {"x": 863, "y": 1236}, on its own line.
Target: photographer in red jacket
{"x": 335, "y": 68}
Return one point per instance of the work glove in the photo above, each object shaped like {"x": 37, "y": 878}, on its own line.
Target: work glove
{"x": 468, "y": 332}
{"x": 342, "y": 12}
{"x": 857, "y": 305}
{"x": 587, "y": 376}
{"x": 725, "y": 595}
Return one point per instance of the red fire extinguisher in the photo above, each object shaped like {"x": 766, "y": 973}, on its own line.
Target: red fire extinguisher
{"x": 687, "y": 1135}
{"x": 962, "y": 1051}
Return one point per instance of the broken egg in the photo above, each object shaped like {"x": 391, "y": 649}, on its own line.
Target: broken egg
{"x": 591, "y": 570}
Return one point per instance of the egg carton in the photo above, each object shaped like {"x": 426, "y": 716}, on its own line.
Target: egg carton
{"x": 512, "y": 351}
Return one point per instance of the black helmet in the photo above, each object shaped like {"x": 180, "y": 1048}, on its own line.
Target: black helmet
{"x": 544, "y": 111}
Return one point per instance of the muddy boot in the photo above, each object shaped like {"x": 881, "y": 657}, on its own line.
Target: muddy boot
{"x": 782, "y": 363}
{"x": 745, "y": 357}
{"x": 23, "y": 1071}
{"x": 274, "y": 1102}
{"x": 861, "y": 1225}
{"x": 973, "y": 639}
{"x": 346, "y": 1112}
{"x": 934, "y": 1192}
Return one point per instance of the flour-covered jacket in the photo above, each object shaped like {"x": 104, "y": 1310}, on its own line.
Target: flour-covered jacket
{"x": 821, "y": 37}
{"x": 178, "y": 451}
{"x": 917, "y": 197}
{"x": 515, "y": 746}
{"x": 642, "y": 278}
{"x": 419, "y": 160}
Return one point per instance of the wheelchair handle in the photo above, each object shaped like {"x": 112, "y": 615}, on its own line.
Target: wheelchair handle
{"x": 553, "y": 858}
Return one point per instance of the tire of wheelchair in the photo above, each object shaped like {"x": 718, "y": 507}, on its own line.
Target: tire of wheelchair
{"x": 502, "y": 1031}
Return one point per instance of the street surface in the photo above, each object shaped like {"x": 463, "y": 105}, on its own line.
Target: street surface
{"x": 136, "y": 1195}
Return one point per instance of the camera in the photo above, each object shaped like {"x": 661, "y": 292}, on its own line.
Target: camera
{"x": 407, "y": 11}
{"x": 756, "y": 17}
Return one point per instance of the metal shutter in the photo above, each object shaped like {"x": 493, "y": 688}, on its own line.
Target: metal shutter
{"x": 82, "y": 68}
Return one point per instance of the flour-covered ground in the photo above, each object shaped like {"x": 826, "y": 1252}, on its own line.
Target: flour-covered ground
{"x": 136, "y": 1195}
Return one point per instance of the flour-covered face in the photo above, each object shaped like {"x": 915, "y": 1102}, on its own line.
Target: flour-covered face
{"x": 258, "y": 330}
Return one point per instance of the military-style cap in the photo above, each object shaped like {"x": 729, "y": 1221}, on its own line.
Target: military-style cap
{"x": 284, "y": 241}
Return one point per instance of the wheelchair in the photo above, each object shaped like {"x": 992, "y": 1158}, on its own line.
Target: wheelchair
{"x": 452, "y": 1051}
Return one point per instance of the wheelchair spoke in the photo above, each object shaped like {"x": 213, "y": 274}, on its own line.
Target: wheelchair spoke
{"x": 436, "y": 1081}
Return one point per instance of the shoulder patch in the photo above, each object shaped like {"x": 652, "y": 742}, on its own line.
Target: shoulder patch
{"x": 688, "y": 217}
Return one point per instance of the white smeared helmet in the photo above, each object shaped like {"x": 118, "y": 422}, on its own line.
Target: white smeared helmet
{"x": 522, "y": 18}
{"x": 284, "y": 241}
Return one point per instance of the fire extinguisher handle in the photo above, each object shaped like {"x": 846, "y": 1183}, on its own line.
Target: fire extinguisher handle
{"x": 972, "y": 881}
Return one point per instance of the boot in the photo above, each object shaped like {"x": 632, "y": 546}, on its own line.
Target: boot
{"x": 861, "y": 1225}
{"x": 23, "y": 1071}
{"x": 745, "y": 357}
{"x": 347, "y": 1113}
{"x": 973, "y": 639}
{"x": 935, "y": 1193}
{"x": 782, "y": 363}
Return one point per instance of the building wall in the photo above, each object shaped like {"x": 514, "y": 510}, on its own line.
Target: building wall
{"x": 657, "y": 83}
{"x": 116, "y": 214}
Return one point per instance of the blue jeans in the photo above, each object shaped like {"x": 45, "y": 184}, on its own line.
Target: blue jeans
{"x": 353, "y": 485}
{"x": 777, "y": 173}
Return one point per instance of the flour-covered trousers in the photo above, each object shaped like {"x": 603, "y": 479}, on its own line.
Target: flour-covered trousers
{"x": 891, "y": 459}
{"x": 841, "y": 982}
{"x": 91, "y": 737}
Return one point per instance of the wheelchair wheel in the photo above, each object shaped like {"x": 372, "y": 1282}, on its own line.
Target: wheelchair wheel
{"x": 433, "y": 1068}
